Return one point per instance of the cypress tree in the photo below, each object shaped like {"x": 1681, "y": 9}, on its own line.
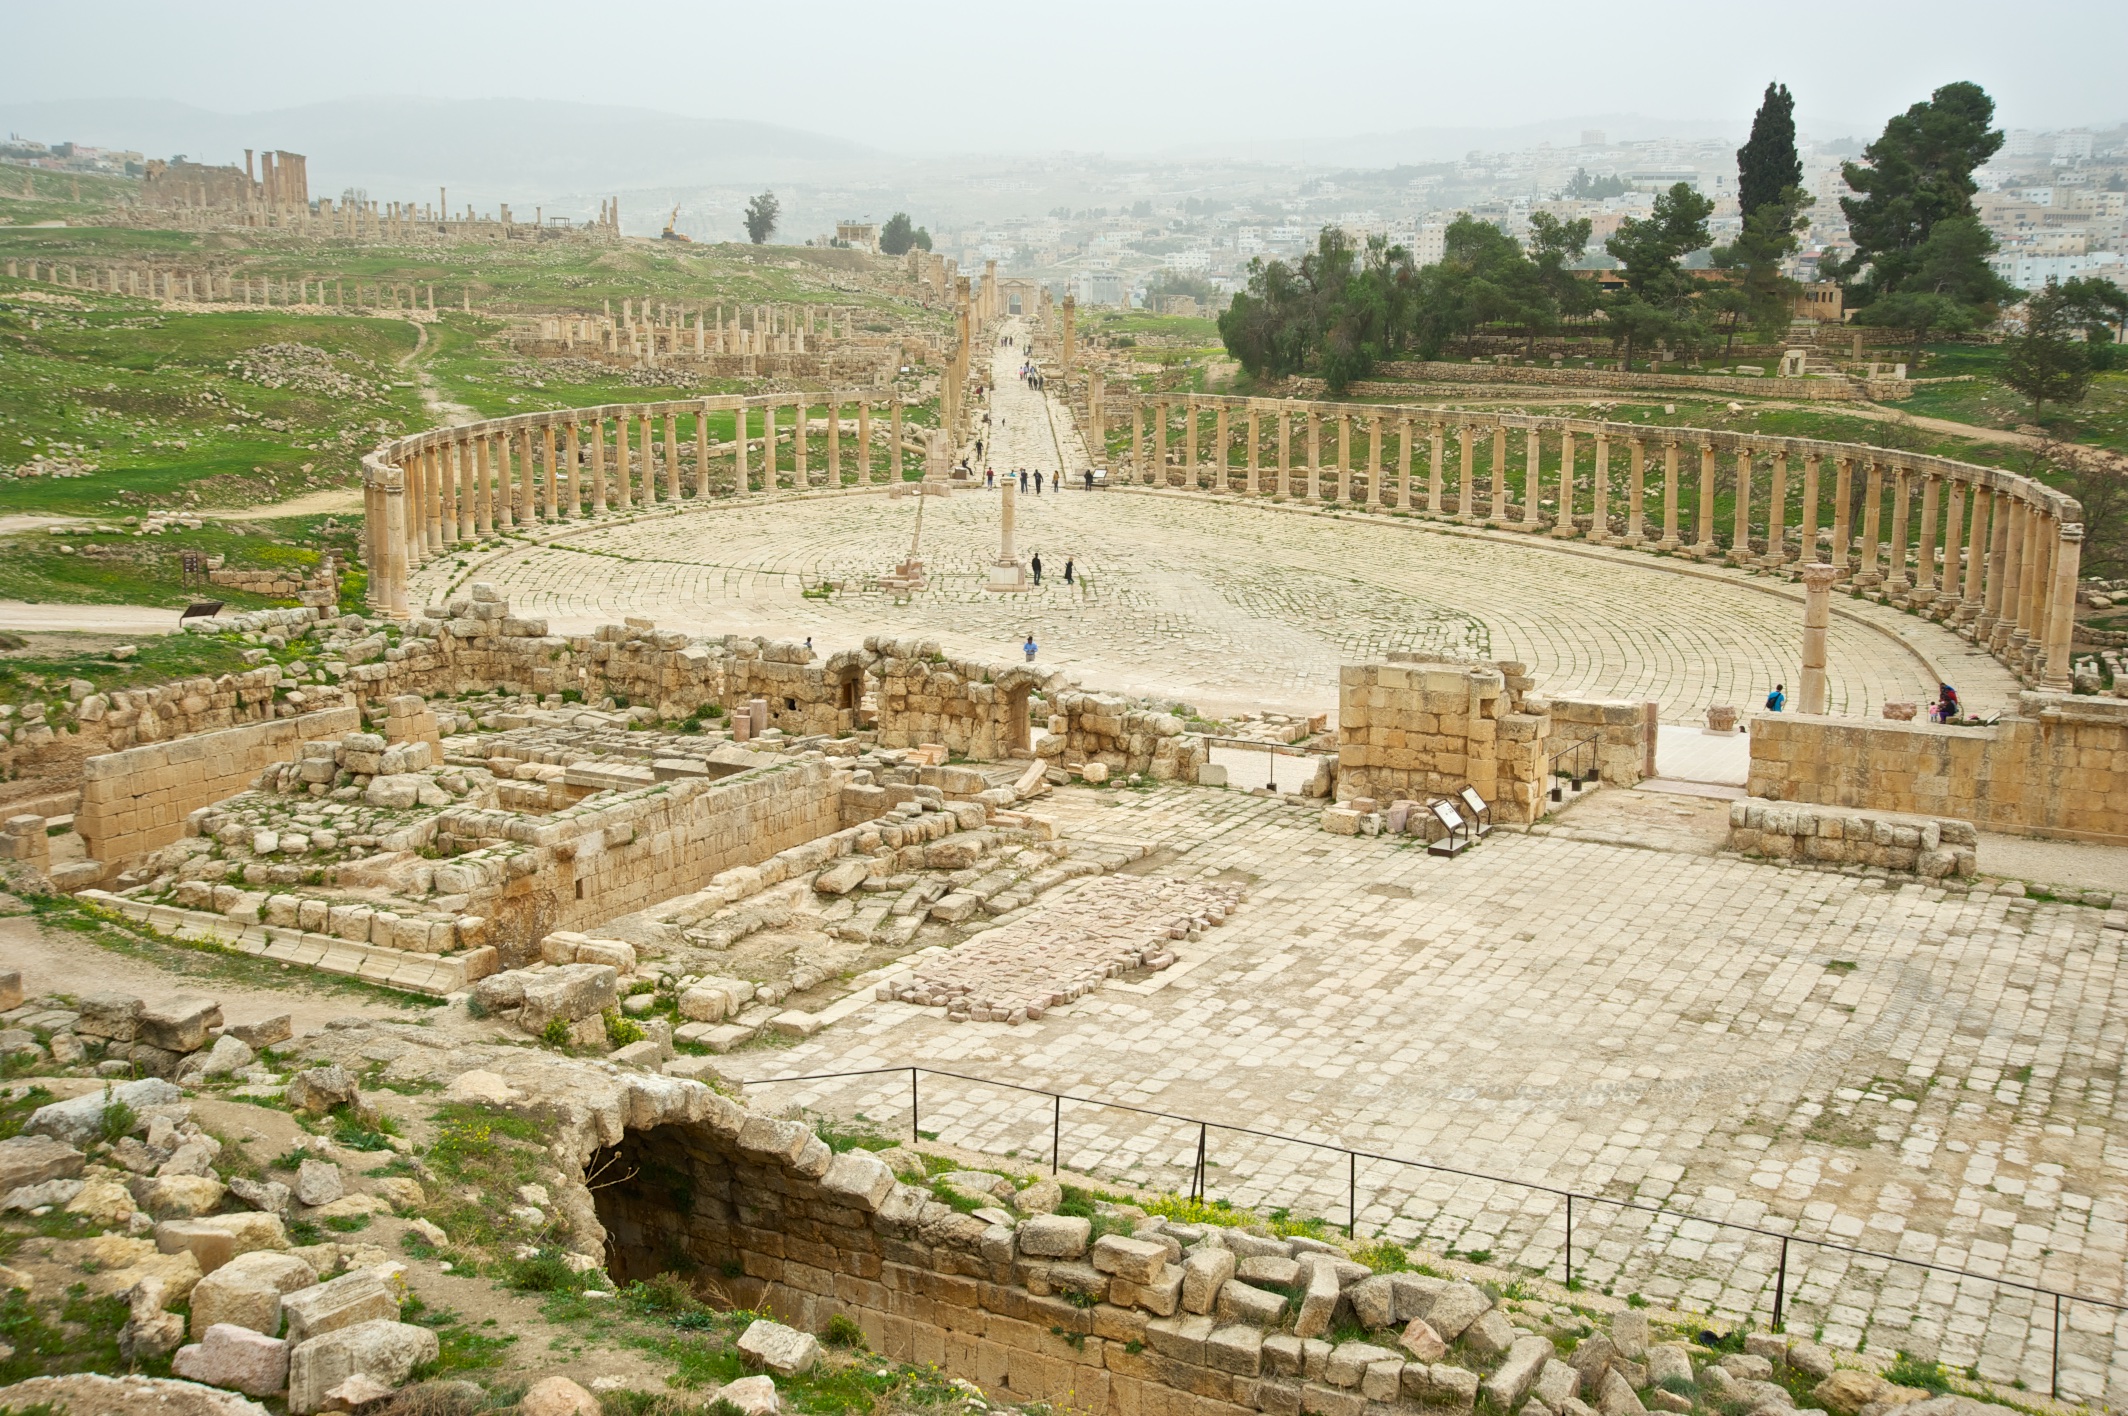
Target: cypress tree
{"x": 1767, "y": 165}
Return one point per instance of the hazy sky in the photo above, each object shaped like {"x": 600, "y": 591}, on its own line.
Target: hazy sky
{"x": 1146, "y": 75}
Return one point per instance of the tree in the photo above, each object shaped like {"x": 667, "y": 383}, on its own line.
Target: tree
{"x": 1948, "y": 286}
{"x": 1554, "y": 247}
{"x": 897, "y": 236}
{"x": 761, "y": 214}
{"x": 1589, "y": 188}
{"x": 1656, "y": 304}
{"x": 1767, "y": 165}
{"x": 1762, "y": 296}
{"x": 2051, "y": 361}
{"x": 1919, "y": 174}
{"x": 922, "y": 238}
{"x": 1340, "y": 311}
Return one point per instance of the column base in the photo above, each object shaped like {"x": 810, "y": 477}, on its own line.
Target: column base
{"x": 1668, "y": 543}
{"x": 1007, "y": 576}
{"x": 1565, "y": 531}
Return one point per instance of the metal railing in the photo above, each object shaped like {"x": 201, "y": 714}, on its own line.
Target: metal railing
{"x": 1353, "y": 1157}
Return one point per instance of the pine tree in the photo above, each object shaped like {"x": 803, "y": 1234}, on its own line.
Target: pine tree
{"x": 1767, "y": 165}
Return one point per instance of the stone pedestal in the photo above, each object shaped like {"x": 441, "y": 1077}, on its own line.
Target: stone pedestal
{"x": 1006, "y": 572}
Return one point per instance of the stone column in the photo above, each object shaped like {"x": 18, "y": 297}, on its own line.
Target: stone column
{"x": 1872, "y": 526}
{"x": 2002, "y": 592}
{"x": 1740, "y": 529}
{"x": 769, "y": 472}
{"x": 2031, "y": 575}
{"x": 601, "y": 492}
{"x": 1817, "y": 619}
{"x": 1670, "y": 540}
{"x": 646, "y": 426}
{"x": 1285, "y": 451}
{"x": 801, "y": 437}
{"x": 1895, "y": 577}
{"x": 1255, "y": 451}
{"x": 1843, "y": 518}
{"x": 1071, "y": 333}
{"x": 834, "y": 440}
{"x": 551, "y": 493}
{"x": 864, "y": 442}
{"x": 1983, "y": 562}
{"x": 1467, "y": 472}
{"x": 1777, "y": 513}
{"x": 1499, "y": 476}
{"x": 1160, "y": 421}
{"x": 505, "y": 484}
{"x": 1137, "y": 442}
{"x": 462, "y": 455}
{"x": 1637, "y": 490}
{"x": 1403, "y": 496}
{"x": 743, "y": 479}
{"x": 1953, "y": 548}
{"x": 1600, "y": 507}
{"x": 445, "y": 453}
{"x": 1705, "y": 545}
{"x": 527, "y": 493}
{"x": 1344, "y": 458}
{"x": 395, "y": 543}
{"x": 483, "y": 488}
{"x": 701, "y": 445}
{"x": 1532, "y": 476}
{"x": 2061, "y": 608}
{"x": 1221, "y": 442}
{"x": 624, "y": 480}
{"x": 1925, "y": 553}
{"x": 569, "y": 474}
{"x": 1311, "y": 480}
{"x": 1191, "y": 474}
{"x": 672, "y": 456}
{"x": 1563, "y": 509}
{"x": 1436, "y": 452}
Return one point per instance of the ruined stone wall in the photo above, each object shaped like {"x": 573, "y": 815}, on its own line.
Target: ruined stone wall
{"x": 1619, "y": 729}
{"x": 1931, "y": 847}
{"x": 1419, "y": 730}
{"x": 1105, "y": 729}
{"x": 2060, "y": 768}
{"x": 1769, "y": 386}
{"x": 588, "y": 864}
{"x": 971, "y": 708}
{"x": 136, "y": 801}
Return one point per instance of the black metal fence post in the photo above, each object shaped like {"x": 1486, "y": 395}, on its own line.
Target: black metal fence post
{"x": 1570, "y": 1241}
{"x": 1056, "y": 1140}
{"x": 1197, "y": 1170}
{"x": 1780, "y": 1287}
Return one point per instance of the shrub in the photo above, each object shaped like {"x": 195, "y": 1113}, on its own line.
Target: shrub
{"x": 118, "y": 1119}
{"x": 555, "y": 1033}
{"x": 621, "y": 1029}
{"x": 843, "y": 1331}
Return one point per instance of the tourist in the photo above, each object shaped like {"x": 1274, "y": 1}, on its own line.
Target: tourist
{"x": 1067, "y": 570}
{"x": 990, "y": 476}
{"x": 1089, "y": 479}
{"x": 1028, "y": 647}
{"x": 1778, "y": 699}
{"x": 1946, "y": 703}
{"x": 1038, "y": 567}
{"x": 1023, "y": 479}
{"x": 1038, "y": 482}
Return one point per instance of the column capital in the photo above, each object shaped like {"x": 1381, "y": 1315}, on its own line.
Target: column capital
{"x": 1819, "y": 576}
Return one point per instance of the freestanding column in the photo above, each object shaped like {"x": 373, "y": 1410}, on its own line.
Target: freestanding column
{"x": 1895, "y": 578}
{"x": 1817, "y": 618}
{"x": 435, "y": 485}
{"x": 1843, "y": 513}
{"x": 1192, "y": 470}
{"x": 1222, "y": 445}
{"x": 801, "y": 435}
{"x": 447, "y": 489}
{"x": 527, "y": 494}
{"x": 1705, "y": 544}
{"x": 769, "y": 472}
{"x": 834, "y": 440}
{"x": 1285, "y": 452}
{"x": 1532, "y": 477}
{"x": 571, "y": 475}
{"x": 373, "y": 535}
{"x": 2012, "y": 569}
{"x": 1925, "y": 553}
{"x": 505, "y": 515}
{"x": 1160, "y": 418}
{"x": 1669, "y": 541}
{"x": 701, "y": 443}
{"x": 1953, "y": 546}
{"x": 1872, "y": 526}
{"x": 395, "y": 543}
{"x": 743, "y": 480}
{"x": 2061, "y": 608}
{"x": 1312, "y": 479}
{"x": 623, "y": 471}
{"x": 1600, "y": 510}
{"x": 1740, "y": 530}
{"x": 1777, "y": 513}
{"x": 1436, "y": 451}
{"x": 1989, "y": 568}
{"x": 646, "y": 426}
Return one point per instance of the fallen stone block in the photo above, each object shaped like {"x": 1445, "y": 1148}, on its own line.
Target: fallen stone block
{"x": 81, "y": 1120}
{"x": 381, "y": 1349}
{"x": 247, "y": 1291}
{"x": 783, "y": 1350}
{"x": 237, "y": 1358}
{"x": 36, "y": 1160}
{"x": 346, "y": 1301}
{"x": 318, "y": 1182}
{"x": 179, "y": 1024}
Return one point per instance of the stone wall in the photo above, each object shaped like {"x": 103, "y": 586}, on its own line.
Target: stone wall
{"x": 136, "y": 801}
{"x": 1101, "y": 728}
{"x": 2059, "y": 768}
{"x": 1841, "y": 389}
{"x": 1419, "y": 730}
{"x": 1927, "y": 846}
{"x": 974, "y": 709}
{"x": 1619, "y": 729}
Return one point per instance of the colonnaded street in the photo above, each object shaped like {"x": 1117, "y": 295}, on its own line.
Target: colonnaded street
{"x": 1228, "y": 605}
{"x": 1605, "y": 1005}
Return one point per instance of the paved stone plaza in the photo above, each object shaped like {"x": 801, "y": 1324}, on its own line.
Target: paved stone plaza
{"x": 1230, "y": 606}
{"x": 1610, "y": 1007}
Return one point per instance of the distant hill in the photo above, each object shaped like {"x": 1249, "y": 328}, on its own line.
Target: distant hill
{"x": 516, "y": 150}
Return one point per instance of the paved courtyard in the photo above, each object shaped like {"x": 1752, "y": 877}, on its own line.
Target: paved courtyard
{"x": 1612, "y": 1007}
{"x": 1224, "y": 604}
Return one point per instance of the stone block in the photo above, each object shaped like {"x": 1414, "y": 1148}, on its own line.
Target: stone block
{"x": 1517, "y": 1374}
{"x": 381, "y": 1349}
{"x": 346, "y": 1301}
{"x": 1319, "y": 1304}
{"x": 36, "y": 1160}
{"x": 783, "y": 1350}
{"x": 80, "y": 1120}
{"x": 1204, "y": 1274}
{"x": 318, "y": 1182}
{"x": 1422, "y": 1342}
{"x": 247, "y": 1291}
{"x": 570, "y": 994}
{"x": 179, "y": 1196}
{"x": 114, "y": 1017}
{"x": 237, "y": 1358}
{"x": 179, "y": 1024}
{"x": 1236, "y": 1348}
{"x": 263, "y": 1033}
{"x": 1492, "y": 1335}
{"x": 1133, "y": 1260}
{"x": 1161, "y": 1296}
{"x": 1239, "y": 1302}
{"x": 1455, "y": 1308}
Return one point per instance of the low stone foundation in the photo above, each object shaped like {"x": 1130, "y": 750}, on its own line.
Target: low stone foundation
{"x": 1929, "y": 847}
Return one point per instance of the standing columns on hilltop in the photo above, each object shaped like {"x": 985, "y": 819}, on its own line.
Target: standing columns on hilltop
{"x": 2061, "y": 607}
{"x": 1843, "y": 514}
{"x": 1670, "y": 540}
{"x": 1777, "y": 514}
{"x": 1817, "y": 619}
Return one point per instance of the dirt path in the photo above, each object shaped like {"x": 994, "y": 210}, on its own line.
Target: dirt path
{"x": 327, "y": 501}
{"x": 20, "y": 615}
{"x": 56, "y": 961}
{"x": 452, "y": 414}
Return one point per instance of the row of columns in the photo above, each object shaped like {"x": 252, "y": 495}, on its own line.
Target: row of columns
{"x": 203, "y": 286}
{"x": 427, "y": 495}
{"x": 1991, "y": 553}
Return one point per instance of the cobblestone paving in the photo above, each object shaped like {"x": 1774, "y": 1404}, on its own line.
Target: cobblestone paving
{"x": 1925, "y": 1074}
{"x": 1228, "y": 605}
